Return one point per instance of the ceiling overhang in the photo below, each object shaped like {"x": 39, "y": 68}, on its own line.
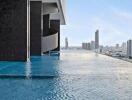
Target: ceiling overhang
{"x": 57, "y": 9}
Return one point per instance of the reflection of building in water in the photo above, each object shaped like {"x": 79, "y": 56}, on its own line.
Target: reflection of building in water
{"x": 66, "y": 43}
{"x": 28, "y": 69}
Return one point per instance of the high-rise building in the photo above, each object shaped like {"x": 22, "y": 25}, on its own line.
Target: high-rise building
{"x": 66, "y": 43}
{"x": 30, "y": 28}
{"x": 129, "y": 48}
{"x": 97, "y": 39}
{"x": 92, "y": 45}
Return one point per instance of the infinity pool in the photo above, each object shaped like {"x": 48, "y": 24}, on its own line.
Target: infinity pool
{"x": 75, "y": 75}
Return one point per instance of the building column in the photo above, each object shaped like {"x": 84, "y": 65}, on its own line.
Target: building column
{"x": 35, "y": 28}
{"x": 55, "y": 28}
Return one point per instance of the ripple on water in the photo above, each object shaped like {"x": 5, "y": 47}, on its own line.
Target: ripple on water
{"x": 80, "y": 75}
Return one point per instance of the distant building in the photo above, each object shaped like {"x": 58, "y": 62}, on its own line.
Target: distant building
{"x": 86, "y": 46}
{"x": 97, "y": 39}
{"x": 124, "y": 46}
{"x": 66, "y": 43}
{"x": 129, "y": 48}
{"x": 101, "y": 48}
{"x": 117, "y": 46}
{"x": 83, "y": 45}
{"x": 92, "y": 45}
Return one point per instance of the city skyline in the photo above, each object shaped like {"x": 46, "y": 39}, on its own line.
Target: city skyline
{"x": 113, "y": 22}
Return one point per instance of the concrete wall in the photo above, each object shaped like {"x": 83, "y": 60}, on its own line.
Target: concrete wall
{"x": 49, "y": 43}
{"x": 35, "y": 27}
{"x": 50, "y": 28}
{"x": 13, "y": 30}
{"x": 49, "y": 8}
{"x": 61, "y": 7}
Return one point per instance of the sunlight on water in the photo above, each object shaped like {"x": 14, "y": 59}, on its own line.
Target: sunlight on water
{"x": 28, "y": 69}
{"x": 74, "y": 75}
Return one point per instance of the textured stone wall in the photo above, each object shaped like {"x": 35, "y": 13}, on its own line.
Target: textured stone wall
{"x": 13, "y": 30}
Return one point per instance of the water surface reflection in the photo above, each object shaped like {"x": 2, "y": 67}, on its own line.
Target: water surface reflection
{"x": 81, "y": 75}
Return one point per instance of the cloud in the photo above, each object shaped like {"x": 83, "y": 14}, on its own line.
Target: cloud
{"x": 122, "y": 15}
{"x": 105, "y": 26}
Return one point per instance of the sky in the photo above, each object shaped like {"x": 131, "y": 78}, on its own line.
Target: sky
{"x": 113, "y": 18}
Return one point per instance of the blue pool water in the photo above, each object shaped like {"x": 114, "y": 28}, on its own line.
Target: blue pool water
{"x": 75, "y": 75}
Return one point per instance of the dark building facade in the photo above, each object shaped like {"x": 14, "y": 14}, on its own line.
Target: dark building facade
{"x": 35, "y": 27}
{"x": 27, "y": 28}
{"x": 13, "y": 30}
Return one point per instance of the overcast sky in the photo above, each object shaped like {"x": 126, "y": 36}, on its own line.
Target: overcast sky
{"x": 113, "y": 18}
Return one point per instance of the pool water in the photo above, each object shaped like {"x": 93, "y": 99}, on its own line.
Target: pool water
{"x": 74, "y": 75}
